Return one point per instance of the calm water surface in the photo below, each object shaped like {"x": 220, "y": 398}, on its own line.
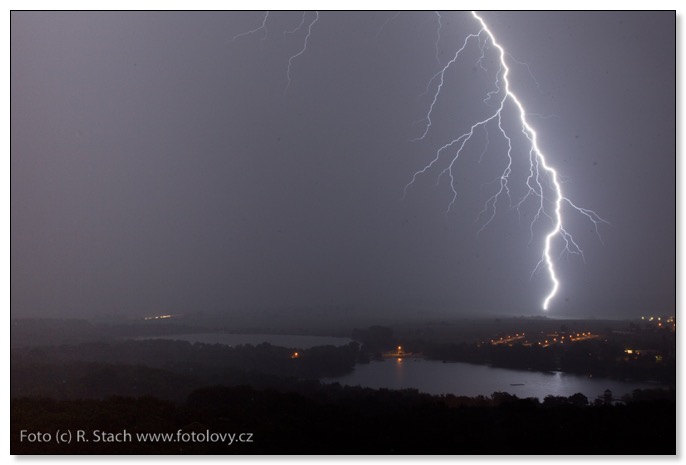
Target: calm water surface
{"x": 435, "y": 377}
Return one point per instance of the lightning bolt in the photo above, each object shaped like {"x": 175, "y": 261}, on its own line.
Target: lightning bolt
{"x": 299, "y": 26}
{"x": 541, "y": 173}
{"x": 438, "y": 36}
{"x": 383, "y": 26}
{"x": 307, "y": 38}
{"x": 263, "y": 26}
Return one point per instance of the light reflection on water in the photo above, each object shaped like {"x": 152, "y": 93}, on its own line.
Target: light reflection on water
{"x": 435, "y": 377}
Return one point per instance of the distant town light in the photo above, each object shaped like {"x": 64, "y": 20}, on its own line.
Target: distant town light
{"x": 157, "y": 317}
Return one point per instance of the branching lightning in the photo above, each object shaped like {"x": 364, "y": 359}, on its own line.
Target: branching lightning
{"x": 542, "y": 184}
{"x": 307, "y": 37}
{"x": 263, "y": 27}
{"x": 542, "y": 178}
{"x": 302, "y": 22}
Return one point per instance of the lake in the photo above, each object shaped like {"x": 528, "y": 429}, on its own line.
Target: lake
{"x": 435, "y": 377}
{"x": 281, "y": 340}
{"x": 430, "y": 376}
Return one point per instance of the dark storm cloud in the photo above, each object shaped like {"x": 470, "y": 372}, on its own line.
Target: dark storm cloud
{"x": 157, "y": 165}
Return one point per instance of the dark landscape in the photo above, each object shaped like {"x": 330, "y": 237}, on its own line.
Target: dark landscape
{"x": 98, "y": 381}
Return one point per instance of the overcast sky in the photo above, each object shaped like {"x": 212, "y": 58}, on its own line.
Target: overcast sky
{"x": 158, "y": 165}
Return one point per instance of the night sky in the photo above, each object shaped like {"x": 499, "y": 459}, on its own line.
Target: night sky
{"x": 158, "y": 166}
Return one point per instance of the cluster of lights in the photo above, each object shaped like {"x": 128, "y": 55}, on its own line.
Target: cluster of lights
{"x": 573, "y": 337}
{"x": 552, "y": 339}
{"x": 507, "y": 339}
{"x": 658, "y": 318}
{"x": 158, "y": 317}
{"x": 662, "y": 322}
